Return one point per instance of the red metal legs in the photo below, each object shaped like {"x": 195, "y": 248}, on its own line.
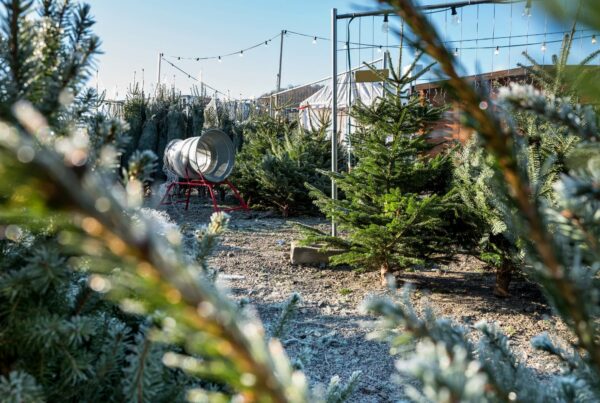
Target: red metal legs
{"x": 189, "y": 184}
{"x": 236, "y": 194}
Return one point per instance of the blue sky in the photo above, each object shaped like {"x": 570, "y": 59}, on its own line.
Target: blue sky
{"x": 135, "y": 31}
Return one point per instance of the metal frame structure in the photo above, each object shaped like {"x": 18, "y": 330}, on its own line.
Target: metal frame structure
{"x": 334, "y": 85}
{"x": 187, "y": 184}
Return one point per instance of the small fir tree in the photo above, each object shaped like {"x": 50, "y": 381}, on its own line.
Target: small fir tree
{"x": 275, "y": 162}
{"x": 395, "y": 196}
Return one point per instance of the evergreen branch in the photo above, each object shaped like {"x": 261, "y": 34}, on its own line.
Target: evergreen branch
{"x": 581, "y": 120}
{"x": 116, "y": 227}
{"x": 288, "y": 309}
{"x": 339, "y": 393}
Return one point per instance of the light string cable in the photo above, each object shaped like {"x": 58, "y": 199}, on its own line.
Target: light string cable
{"x": 512, "y": 45}
{"x": 497, "y": 50}
{"x": 270, "y": 39}
{"x": 219, "y": 57}
{"x": 477, "y": 37}
{"x": 191, "y": 77}
{"x": 360, "y": 45}
{"x": 510, "y": 36}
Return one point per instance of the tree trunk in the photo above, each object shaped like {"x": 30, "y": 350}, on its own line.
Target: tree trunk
{"x": 383, "y": 272}
{"x": 503, "y": 278}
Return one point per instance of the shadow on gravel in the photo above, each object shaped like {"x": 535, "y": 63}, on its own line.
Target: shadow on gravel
{"x": 478, "y": 287}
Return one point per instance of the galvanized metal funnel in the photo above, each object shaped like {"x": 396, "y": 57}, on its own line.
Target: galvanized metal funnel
{"x": 210, "y": 156}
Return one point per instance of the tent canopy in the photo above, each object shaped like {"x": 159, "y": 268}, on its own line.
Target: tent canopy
{"x": 316, "y": 109}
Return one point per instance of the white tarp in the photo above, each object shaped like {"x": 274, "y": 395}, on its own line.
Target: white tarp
{"x": 315, "y": 111}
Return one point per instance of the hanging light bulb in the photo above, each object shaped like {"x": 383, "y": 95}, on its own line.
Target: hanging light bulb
{"x": 266, "y": 43}
{"x": 379, "y": 49}
{"x": 497, "y": 51}
{"x": 594, "y": 40}
{"x": 220, "y": 60}
{"x": 386, "y": 24}
{"x": 315, "y": 40}
{"x": 527, "y": 10}
{"x": 455, "y": 16}
{"x": 456, "y": 52}
{"x": 241, "y": 53}
{"x": 544, "y": 47}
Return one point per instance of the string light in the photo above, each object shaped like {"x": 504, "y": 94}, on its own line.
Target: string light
{"x": 379, "y": 48}
{"x": 527, "y": 10}
{"x": 544, "y": 47}
{"x": 455, "y": 16}
{"x": 189, "y": 76}
{"x": 456, "y": 52}
{"x": 497, "y": 51}
{"x": 386, "y": 24}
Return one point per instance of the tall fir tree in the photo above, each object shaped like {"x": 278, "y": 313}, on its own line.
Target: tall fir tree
{"x": 396, "y": 194}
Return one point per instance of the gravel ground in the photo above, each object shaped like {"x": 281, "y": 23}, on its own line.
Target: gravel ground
{"x": 328, "y": 332}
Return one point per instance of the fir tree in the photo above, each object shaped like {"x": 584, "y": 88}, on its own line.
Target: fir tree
{"x": 395, "y": 196}
{"x": 545, "y": 148}
{"x": 275, "y": 162}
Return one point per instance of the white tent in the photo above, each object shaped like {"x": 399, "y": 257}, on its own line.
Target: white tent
{"x": 315, "y": 111}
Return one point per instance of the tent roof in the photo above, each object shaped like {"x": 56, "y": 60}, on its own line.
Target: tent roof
{"x": 365, "y": 92}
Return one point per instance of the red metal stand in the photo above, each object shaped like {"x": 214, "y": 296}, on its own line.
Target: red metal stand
{"x": 189, "y": 184}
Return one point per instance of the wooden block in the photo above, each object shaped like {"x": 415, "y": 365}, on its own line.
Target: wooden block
{"x": 311, "y": 254}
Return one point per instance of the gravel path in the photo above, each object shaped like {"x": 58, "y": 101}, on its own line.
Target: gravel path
{"x": 327, "y": 334}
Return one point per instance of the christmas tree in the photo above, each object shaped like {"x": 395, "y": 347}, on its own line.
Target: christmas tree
{"x": 396, "y": 195}
{"x": 276, "y": 160}
{"x": 544, "y": 145}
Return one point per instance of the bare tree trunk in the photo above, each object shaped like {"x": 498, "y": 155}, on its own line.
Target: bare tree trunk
{"x": 503, "y": 278}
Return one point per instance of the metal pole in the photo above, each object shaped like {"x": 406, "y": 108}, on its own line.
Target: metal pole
{"x": 334, "y": 92}
{"x": 350, "y": 88}
{"x": 160, "y": 56}
{"x": 283, "y": 32}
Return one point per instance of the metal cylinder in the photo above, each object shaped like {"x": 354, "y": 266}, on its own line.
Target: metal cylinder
{"x": 210, "y": 156}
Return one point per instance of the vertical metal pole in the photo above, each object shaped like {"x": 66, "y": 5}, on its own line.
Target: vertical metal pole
{"x": 160, "y": 55}
{"x": 280, "y": 61}
{"x": 349, "y": 107}
{"x": 386, "y": 56}
{"x": 334, "y": 98}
